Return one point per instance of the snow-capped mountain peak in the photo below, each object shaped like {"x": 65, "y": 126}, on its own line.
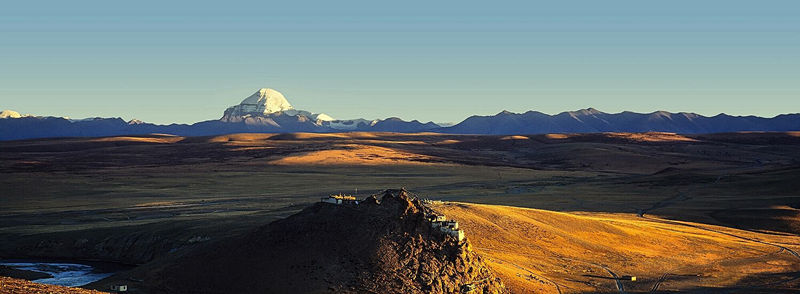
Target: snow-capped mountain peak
{"x": 264, "y": 101}
{"x": 9, "y": 114}
{"x": 268, "y": 102}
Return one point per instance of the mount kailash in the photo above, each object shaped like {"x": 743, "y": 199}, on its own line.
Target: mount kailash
{"x": 268, "y": 111}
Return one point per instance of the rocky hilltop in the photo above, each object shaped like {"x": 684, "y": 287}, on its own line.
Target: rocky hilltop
{"x": 382, "y": 244}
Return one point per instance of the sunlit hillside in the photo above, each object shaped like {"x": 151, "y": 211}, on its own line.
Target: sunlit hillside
{"x": 537, "y": 250}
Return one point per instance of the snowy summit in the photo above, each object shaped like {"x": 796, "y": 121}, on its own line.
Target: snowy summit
{"x": 9, "y": 114}
{"x": 267, "y": 102}
{"x": 264, "y": 101}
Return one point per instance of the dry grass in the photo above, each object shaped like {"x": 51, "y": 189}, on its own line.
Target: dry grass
{"x": 351, "y": 154}
{"x": 60, "y": 191}
{"x": 17, "y": 286}
{"x": 533, "y": 250}
{"x": 516, "y": 137}
{"x": 155, "y": 139}
{"x": 652, "y": 137}
{"x": 660, "y": 137}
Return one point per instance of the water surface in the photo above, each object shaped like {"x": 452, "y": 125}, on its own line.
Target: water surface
{"x": 64, "y": 274}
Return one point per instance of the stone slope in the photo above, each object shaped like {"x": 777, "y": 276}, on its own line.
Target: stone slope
{"x": 381, "y": 245}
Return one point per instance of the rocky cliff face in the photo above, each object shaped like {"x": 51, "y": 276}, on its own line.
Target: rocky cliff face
{"x": 382, "y": 245}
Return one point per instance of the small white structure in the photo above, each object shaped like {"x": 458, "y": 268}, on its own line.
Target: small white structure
{"x": 436, "y": 220}
{"x": 452, "y": 224}
{"x": 446, "y": 227}
{"x": 340, "y": 199}
{"x": 455, "y": 233}
{"x": 119, "y": 288}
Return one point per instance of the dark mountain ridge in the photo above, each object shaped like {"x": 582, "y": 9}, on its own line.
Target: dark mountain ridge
{"x": 504, "y": 123}
{"x": 594, "y": 121}
{"x": 49, "y": 127}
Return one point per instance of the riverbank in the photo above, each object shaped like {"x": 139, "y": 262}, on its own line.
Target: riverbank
{"x": 11, "y": 272}
{"x": 11, "y": 285}
{"x": 60, "y": 273}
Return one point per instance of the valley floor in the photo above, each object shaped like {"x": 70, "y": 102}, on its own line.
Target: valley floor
{"x": 689, "y": 213}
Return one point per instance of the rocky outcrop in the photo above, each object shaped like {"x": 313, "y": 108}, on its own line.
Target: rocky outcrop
{"x": 382, "y": 245}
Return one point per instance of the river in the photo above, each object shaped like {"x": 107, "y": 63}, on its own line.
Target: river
{"x": 66, "y": 273}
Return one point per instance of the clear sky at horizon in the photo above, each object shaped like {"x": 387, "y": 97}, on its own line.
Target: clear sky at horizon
{"x": 186, "y": 61}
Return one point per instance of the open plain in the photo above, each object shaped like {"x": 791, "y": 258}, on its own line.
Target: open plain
{"x": 568, "y": 213}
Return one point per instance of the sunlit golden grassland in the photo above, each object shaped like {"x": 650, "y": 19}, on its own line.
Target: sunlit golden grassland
{"x": 539, "y": 250}
{"x": 699, "y": 212}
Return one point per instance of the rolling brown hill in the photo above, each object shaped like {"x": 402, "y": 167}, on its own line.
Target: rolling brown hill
{"x": 539, "y": 251}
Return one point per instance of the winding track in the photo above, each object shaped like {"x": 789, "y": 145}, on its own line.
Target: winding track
{"x": 558, "y": 287}
{"x": 683, "y": 196}
{"x": 658, "y": 282}
{"x": 616, "y": 279}
{"x": 614, "y": 276}
{"x": 781, "y": 247}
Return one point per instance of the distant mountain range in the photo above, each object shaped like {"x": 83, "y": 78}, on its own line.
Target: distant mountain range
{"x": 593, "y": 121}
{"x": 268, "y": 111}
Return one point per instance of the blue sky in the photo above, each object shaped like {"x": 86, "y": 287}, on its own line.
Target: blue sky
{"x": 186, "y": 61}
